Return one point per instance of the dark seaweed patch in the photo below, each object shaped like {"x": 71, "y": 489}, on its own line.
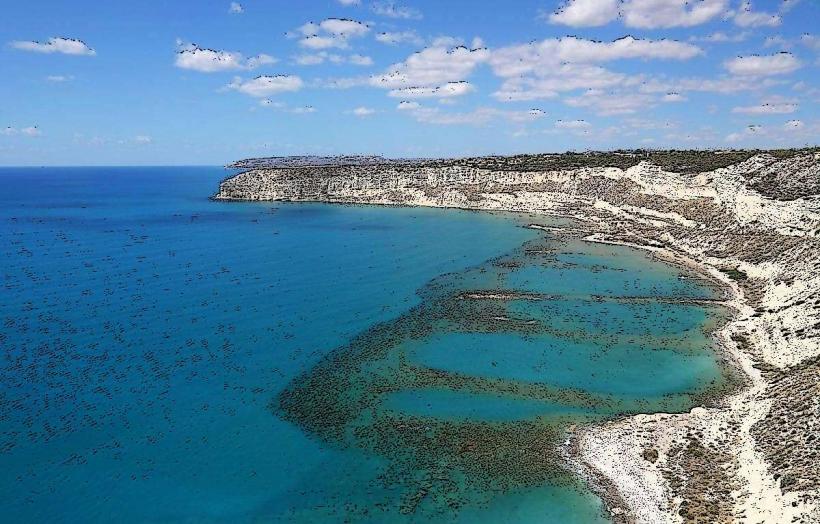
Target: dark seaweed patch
{"x": 433, "y": 461}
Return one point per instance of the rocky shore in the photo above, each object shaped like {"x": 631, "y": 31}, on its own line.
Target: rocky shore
{"x": 750, "y": 220}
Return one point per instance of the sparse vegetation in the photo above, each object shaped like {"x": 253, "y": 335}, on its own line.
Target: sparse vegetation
{"x": 679, "y": 161}
{"x": 735, "y": 274}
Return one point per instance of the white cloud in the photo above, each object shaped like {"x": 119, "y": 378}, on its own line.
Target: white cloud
{"x": 720, "y": 36}
{"x": 647, "y": 124}
{"x": 143, "y": 139}
{"x": 281, "y": 106}
{"x": 344, "y": 27}
{"x": 652, "y": 14}
{"x": 306, "y": 29}
{"x": 236, "y": 8}
{"x": 360, "y": 60}
{"x": 532, "y": 71}
{"x": 323, "y": 42}
{"x": 673, "y": 97}
{"x": 262, "y": 86}
{"x": 31, "y": 131}
{"x": 572, "y": 124}
{"x": 447, "y": 41}
{"x": 362, "y": 111}
{"x": 213, "y": 61}
{"x": 792, "y": 125}
{"x": 607, "y": 103}
{"x": 267, "y": 102}
{"x": 435, "y": 116}
{"x": 723, "y": 85}
{"x": 541, "y": 57}
{"x": 400, "y": 37}
{"x": 66, "y": 46}
{"x": 767, "y": 65}
{"x": 349, "y": 2}
{"x": 748, "y": 132}
{"x": 59, "y": 78}
{"x": 450, "y": 89}
{"x": 544, "y": 69}
{"x": 767, "y": 108}
{"x": 567, "y": 77}
{"x": 807, "y": 90}
{"x": 311, "y": 59}
{"x": 392, "y": 10}
{"x": 586, "y": 13}
{"x": 746, "y": 17}
{"x": 477, "y": 117}
{"x": 777, "y": 41}
{"x": 406, "y": 105}
{"x": 810, "y": 41}
{"x": 331, "y": 32}
{"x": 813, "y": 43}
{"x": 260, "y": 60}
{"x": 644, "y": 14}
{"x": 341, "y": 83}
{"x": 323, "y": 56}
{"x": 431, "y": 67}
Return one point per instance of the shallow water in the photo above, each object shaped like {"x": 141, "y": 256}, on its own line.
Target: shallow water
{"x": 168, "y": 358}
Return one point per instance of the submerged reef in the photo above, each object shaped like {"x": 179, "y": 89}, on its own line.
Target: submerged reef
{"x": 520, "y": 344}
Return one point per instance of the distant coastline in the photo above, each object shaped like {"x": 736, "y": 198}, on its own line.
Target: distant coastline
{"x": 748, "y": 219}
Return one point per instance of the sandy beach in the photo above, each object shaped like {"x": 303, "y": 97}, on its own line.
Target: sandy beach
{"x": 750, "y": 224}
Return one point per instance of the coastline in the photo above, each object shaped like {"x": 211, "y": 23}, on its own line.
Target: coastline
{"x": 658, "y": 467}
{"x": 592, "y": 444}
{"x": 588, "y": 444}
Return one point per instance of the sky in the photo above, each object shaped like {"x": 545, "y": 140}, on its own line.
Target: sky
{"x": 208, "y": 82}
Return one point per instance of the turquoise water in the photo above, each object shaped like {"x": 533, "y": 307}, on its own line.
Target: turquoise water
{"x": 167, "y": 358}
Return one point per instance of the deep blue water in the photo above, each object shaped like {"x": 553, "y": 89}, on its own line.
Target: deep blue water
{"x": 148, "y": 335}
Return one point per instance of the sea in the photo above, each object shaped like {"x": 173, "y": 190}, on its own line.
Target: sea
{"x": 168, "y": 358}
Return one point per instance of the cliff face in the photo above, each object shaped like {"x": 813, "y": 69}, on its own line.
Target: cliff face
{"x": 755, "y": 224}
